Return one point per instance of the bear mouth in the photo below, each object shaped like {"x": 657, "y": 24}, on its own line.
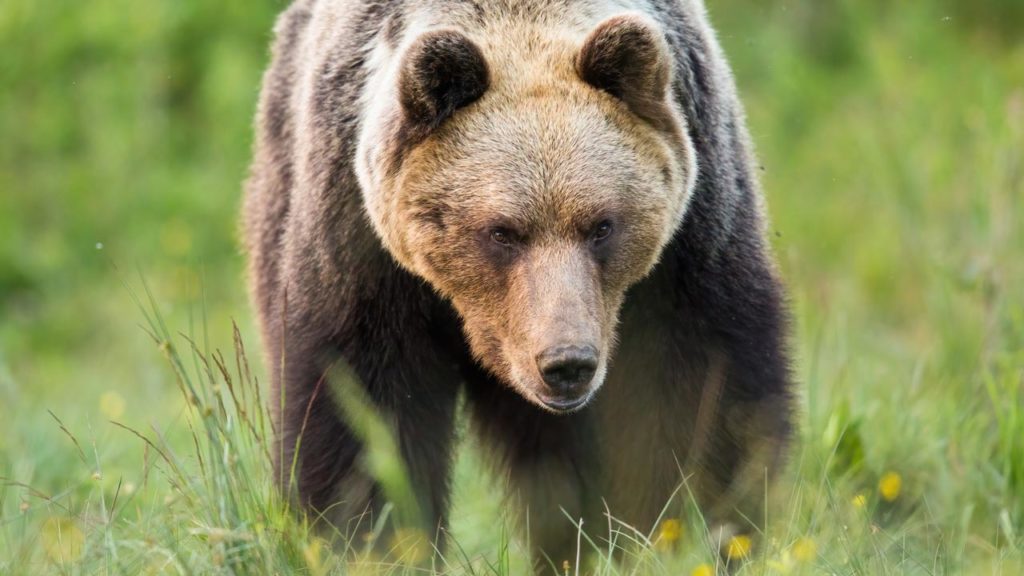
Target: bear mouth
{"x": 564, "y": 405}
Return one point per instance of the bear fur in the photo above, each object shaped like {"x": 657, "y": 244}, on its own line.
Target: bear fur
{"x": 446, "y": 193}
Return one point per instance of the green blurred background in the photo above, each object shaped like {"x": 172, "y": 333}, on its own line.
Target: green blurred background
{"x": 892, "y": 140}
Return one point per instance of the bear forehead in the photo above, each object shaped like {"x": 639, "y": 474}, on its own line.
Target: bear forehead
{"x": 534, "y": 148}
{"x": 541, "y": 143}
{"x": 554, "y": 163}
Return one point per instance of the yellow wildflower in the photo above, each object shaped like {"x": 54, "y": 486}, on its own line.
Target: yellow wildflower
{"x": 859, "y": 501}
{"x": 889, "y": 486}
{"x": 112, "y": 405}
{"x": 176, "y": 238}
{"x": 669, "y": 532}
{"x": 805, "y": 550}
{"x": 784, "y": 565}
{"x": 703, "y": 570}
{"x": 313, "y": 554}
{"x": 62, "y": 540}
{"x": 739, "y": 547}
{"x": 410, "y": 546}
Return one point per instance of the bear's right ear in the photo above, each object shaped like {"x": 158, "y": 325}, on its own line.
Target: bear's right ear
{"x": 627, "y": 56}
{"x": 441, "y": 71}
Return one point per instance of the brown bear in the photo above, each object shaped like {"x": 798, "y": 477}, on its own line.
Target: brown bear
{"x": 547, "y": 208}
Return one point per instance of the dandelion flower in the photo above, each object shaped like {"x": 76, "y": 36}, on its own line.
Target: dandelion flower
{"x": 669, "y": 532}
{"x": 703, "y": 570}
{"x": 176, "y": 238}
{"x": 804, "y": 550}
{"x": 62, "y": 540}
{"x": 112, "y": 405}
{"x": 410, "y": 545}
{"x": 889, "y": 486}
{"x": 859, "y": 501}
{"x": 783, "y": 565}
{"x": 313, "y": 554}
{"x": 739, "y": 547}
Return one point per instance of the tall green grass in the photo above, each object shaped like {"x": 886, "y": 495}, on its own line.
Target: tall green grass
{"x": 209, "y": 505}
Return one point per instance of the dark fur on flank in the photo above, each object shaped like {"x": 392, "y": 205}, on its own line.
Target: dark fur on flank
{"x": 698, "y": 384}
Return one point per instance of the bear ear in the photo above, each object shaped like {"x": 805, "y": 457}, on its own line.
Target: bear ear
{"x": 627, "y": 56}
{"x": 441, "y": 71}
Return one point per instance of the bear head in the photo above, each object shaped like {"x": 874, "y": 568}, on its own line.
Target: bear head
{"x": 531, "y": 178}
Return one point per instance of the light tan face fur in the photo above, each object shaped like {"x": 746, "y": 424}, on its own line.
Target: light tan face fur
{"x": 533, "y": 209}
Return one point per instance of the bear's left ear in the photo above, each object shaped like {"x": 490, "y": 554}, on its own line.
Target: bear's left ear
{"x": 441, "y": 71}
{"x": 627, "y": 56}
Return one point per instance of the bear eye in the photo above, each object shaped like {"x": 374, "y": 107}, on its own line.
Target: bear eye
{"x": 503, "y": 237}
{"x": 602, "y": 231}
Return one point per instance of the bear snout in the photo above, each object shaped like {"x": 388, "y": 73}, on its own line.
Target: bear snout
{"x": 567, "y": 371}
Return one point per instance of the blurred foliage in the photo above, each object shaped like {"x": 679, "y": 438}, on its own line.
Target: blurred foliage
{"x": 892, "y": 140}
{"x": 126, "y": 136}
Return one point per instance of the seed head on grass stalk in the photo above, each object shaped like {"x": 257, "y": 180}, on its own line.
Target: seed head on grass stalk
{"x": 235, "y": 515}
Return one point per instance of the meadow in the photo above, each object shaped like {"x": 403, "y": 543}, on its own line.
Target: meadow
{"x": 132, "y": 438}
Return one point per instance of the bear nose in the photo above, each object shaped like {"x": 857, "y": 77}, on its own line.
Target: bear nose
{"x": 568, "y": 369}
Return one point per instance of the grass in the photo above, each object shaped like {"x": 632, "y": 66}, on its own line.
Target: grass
{"x": 892, "y": 141}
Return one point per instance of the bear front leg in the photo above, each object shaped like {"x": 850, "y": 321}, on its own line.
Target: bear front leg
{"x": 392, "y": 346}
{"x": 551, "y": 493}
{"x": 550, "y": 464}
{"x": 745, "y": 453}
{"x": 751, "y": 417}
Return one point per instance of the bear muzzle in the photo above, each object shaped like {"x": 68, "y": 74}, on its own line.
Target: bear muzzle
{"x": 567, "y": 372}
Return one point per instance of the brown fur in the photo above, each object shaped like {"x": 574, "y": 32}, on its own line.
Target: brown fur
{"x": 432, "y": 186}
